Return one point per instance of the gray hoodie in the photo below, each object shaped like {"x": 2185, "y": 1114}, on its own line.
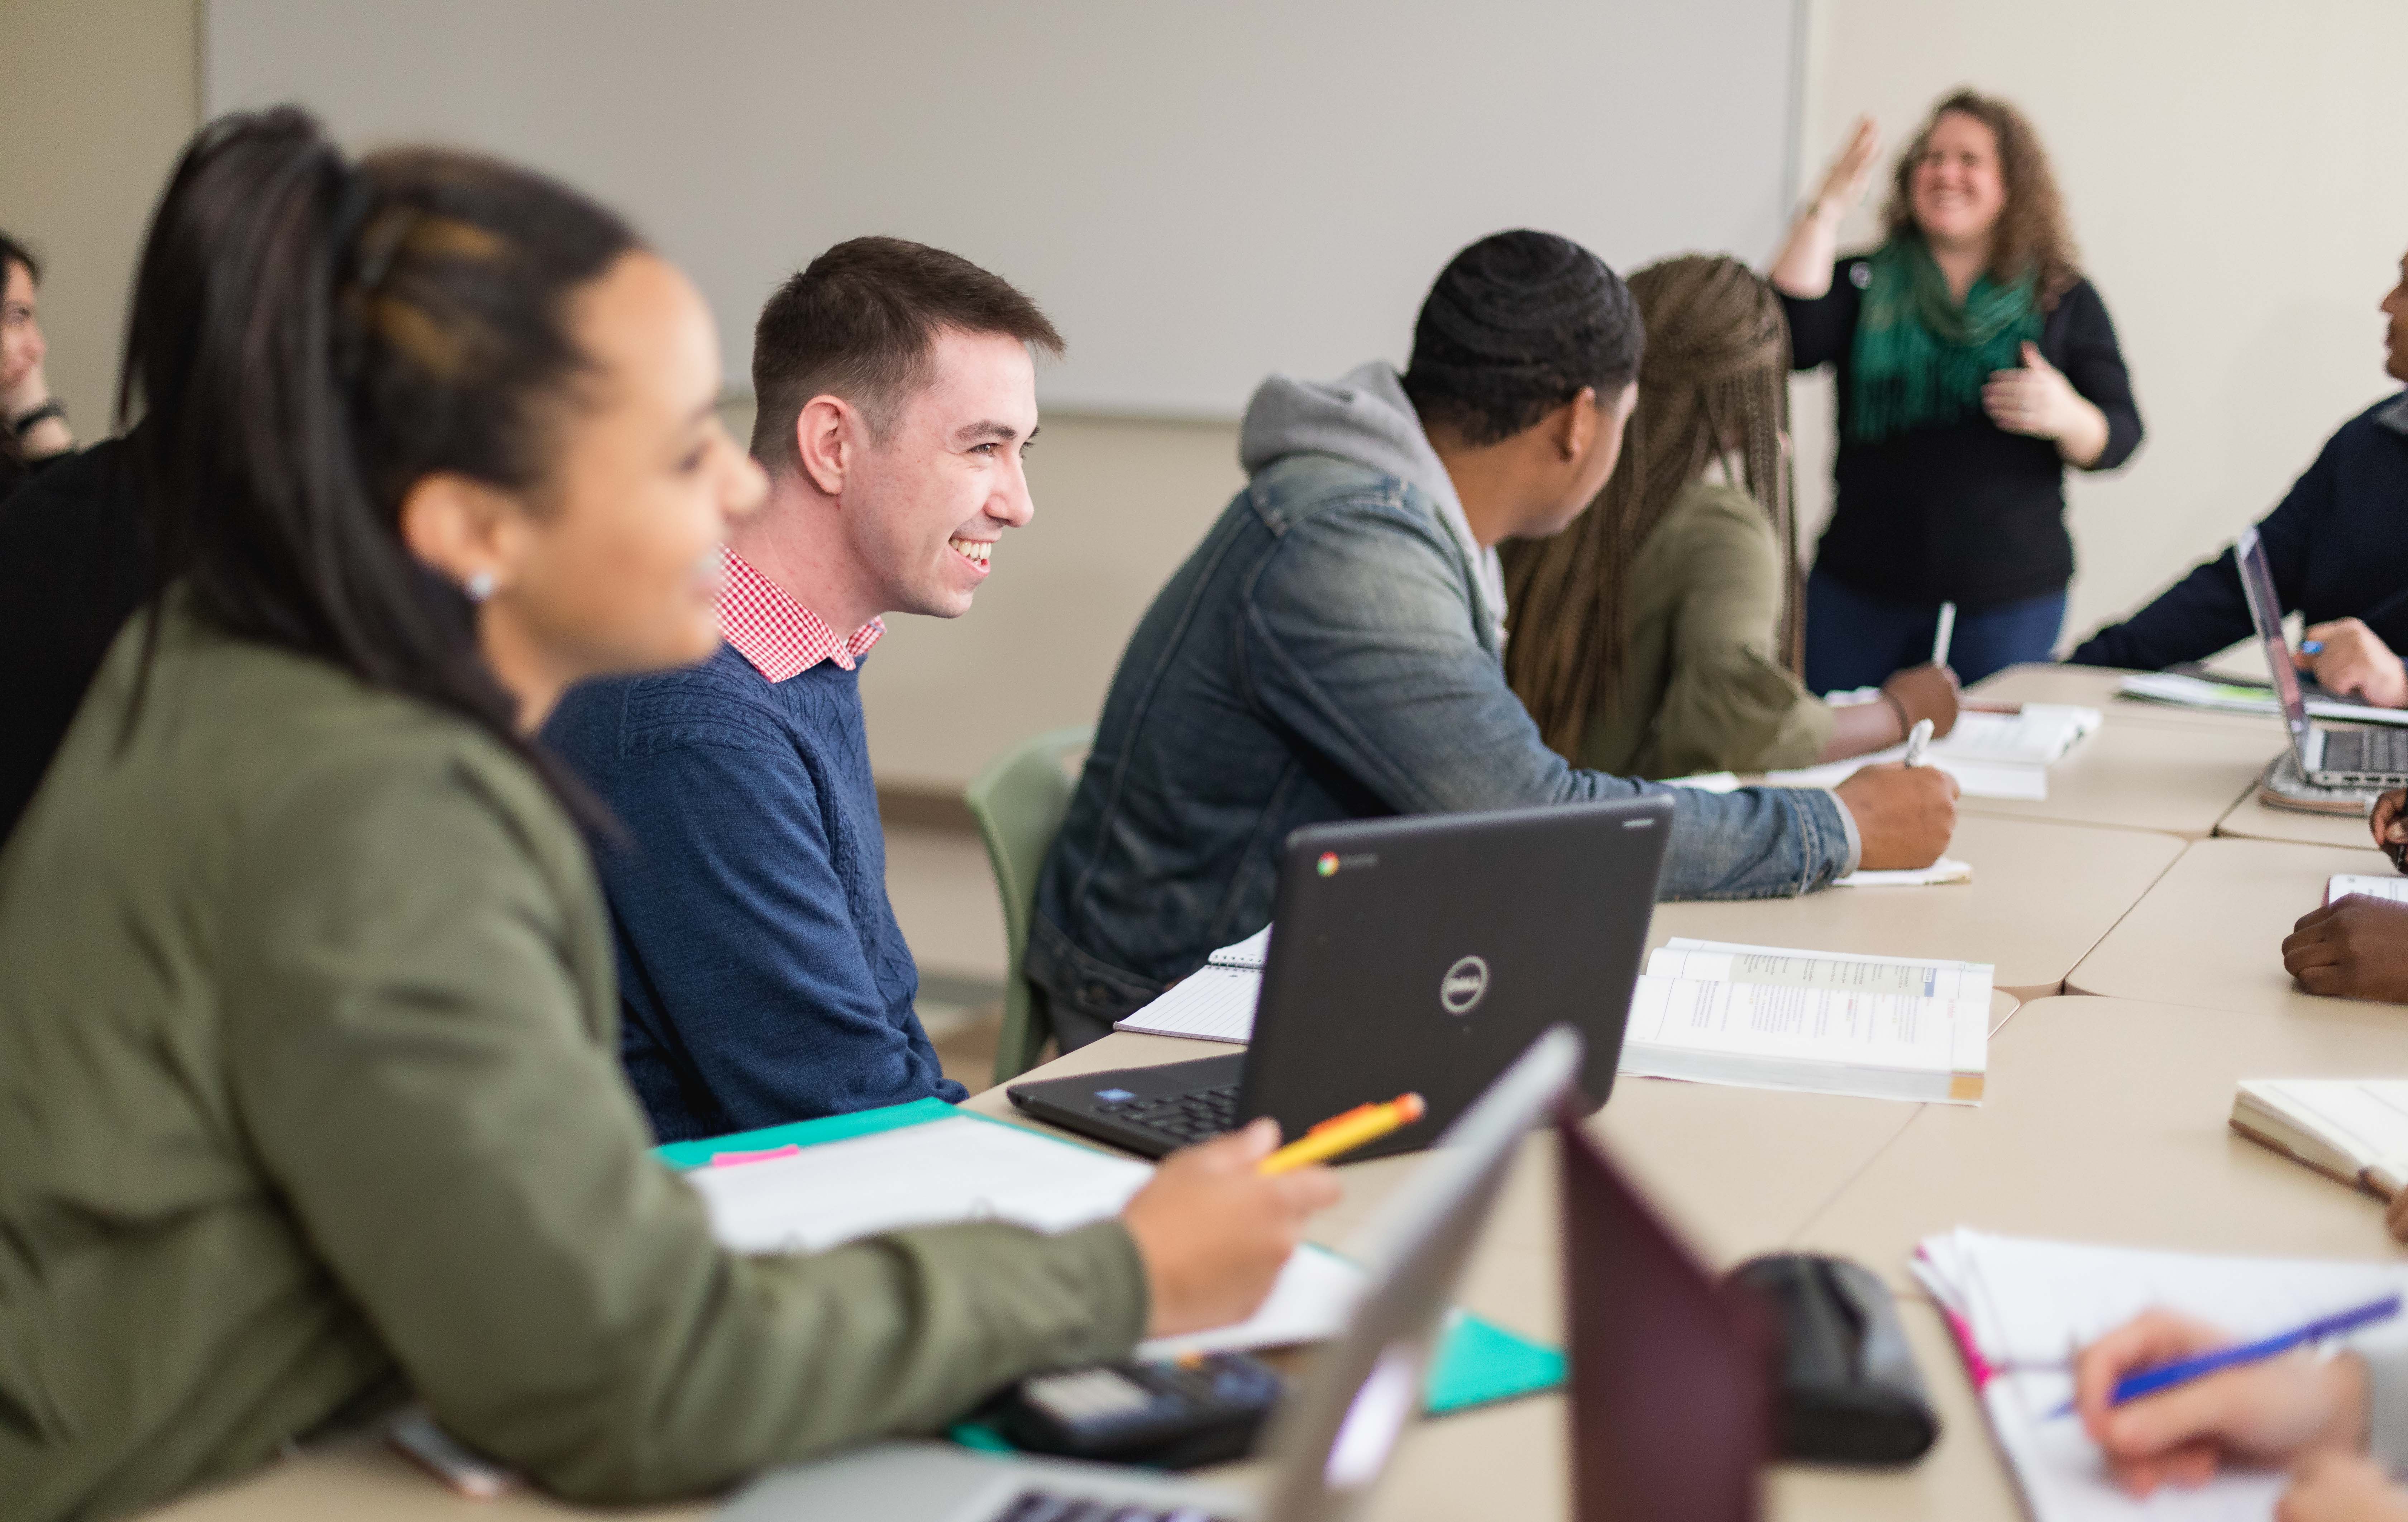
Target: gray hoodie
{"x": 1364, "y": 417}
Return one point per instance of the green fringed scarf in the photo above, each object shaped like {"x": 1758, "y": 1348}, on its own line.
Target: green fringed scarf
{"x": 1920, "y": 358}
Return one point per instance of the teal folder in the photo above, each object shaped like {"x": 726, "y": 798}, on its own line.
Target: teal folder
{"x": 1478, "y": 1363}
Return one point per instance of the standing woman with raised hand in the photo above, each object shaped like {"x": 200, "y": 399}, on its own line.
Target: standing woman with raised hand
{"x": 1975, "y": 363}
{"x": 310, "y": 1093}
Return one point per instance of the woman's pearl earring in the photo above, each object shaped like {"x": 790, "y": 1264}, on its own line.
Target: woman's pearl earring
{"x": 480, "y": 585}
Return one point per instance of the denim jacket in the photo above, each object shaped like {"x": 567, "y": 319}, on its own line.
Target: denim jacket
{"x": 1328, "y": 653}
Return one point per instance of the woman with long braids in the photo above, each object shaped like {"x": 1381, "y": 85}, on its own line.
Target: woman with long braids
{"x": 309, "y": 1089}
{"x": 1975, "y": 363}
{"x": 1660, "y": 634}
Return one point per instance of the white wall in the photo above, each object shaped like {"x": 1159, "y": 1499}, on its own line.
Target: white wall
{"x": 96, "y": 99}
{"x": 2238, "y": 177}
{"x": 1198, "y": 191}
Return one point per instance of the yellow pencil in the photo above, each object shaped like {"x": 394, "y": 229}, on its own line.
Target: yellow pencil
{"x": 1358, "y": 1127}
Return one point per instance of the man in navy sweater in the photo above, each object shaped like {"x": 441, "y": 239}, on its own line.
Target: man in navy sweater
{"x": 764, "y": 976}
{"x": 2338, "y": 546}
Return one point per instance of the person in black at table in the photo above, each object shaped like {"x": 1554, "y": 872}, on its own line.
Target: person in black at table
{"x": 71, "y": 568}
{"x": 2338, "y": 546}
{"x": 33, "y": 431}
{"x": 1975, "y": 363}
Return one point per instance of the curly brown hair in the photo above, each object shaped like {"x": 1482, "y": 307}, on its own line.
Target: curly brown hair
{"x": 2033, "y": 237}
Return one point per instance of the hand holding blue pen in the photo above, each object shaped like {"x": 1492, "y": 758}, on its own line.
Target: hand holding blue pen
{"x": 2165, "y": 1376}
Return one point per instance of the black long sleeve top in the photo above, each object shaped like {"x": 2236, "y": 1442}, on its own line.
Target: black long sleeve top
{"x": 2338, "y": 546}
{"x": 1964, "y": 513}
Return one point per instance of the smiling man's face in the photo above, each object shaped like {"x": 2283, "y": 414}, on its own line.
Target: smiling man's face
{"x": 946, "y": 478}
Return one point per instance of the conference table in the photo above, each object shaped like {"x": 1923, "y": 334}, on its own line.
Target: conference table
{"x": 2135, "y": 919}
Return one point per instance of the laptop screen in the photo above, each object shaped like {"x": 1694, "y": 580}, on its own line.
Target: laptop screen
{"x": 2266, "y": 612}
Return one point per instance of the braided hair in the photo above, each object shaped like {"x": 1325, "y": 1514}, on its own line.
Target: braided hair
{"x": 1713, "y": 381}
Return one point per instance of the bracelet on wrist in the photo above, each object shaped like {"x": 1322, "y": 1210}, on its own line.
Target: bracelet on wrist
{"x": 1905, "y": 725}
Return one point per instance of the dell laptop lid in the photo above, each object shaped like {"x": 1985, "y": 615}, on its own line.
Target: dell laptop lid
{"x": 1425, "y": 954}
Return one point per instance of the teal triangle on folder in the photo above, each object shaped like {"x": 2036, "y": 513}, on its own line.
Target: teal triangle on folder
{"x": 1479, "y": 1362}
{"x": 806, "y": 1133}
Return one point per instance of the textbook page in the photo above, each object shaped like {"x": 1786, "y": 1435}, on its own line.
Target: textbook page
{"x": 2341, "y": 884}
{"x": 1684, "y": 957}
{"x": 1214, "y": 1004}
{"x": 2020, "y": 1306}
{"x": 971, "y": 1169}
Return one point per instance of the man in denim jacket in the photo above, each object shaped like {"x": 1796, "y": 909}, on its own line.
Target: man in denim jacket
{"x": 1334, "y": 649}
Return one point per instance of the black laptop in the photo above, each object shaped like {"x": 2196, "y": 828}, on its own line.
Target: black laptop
{"x": 1420, "y": 954}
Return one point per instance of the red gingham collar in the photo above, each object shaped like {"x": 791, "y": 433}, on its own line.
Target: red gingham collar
{"x": 780, "y": 636}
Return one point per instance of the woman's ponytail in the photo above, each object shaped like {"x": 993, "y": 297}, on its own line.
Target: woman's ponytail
{"x": 308, "y": 340}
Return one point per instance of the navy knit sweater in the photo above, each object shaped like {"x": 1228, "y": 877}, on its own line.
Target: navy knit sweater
{"x": 2338, "y": 546}
{"x": 764, "y": 976}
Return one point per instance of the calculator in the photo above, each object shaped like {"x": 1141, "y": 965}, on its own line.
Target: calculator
{"x": 1199, "y": 1410}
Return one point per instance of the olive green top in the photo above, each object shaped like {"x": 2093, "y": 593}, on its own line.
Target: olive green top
{"x": 1702, "y": 687}
{"x": 309, "y": 1076}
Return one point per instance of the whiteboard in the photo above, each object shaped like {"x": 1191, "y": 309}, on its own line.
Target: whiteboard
{"x": 1199, "y": 191}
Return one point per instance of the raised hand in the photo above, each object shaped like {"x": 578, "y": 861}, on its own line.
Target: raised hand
{"x": 1851, "y": 172}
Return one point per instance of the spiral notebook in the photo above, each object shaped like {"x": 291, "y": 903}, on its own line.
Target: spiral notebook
{"x": 1216, "y": 1003}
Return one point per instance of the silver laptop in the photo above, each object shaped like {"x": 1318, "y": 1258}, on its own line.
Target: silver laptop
{"x": 1329, "y": 1442}
{"x": 2327, "y": 757}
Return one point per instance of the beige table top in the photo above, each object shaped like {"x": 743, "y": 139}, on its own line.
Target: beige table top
{"x": 2094, "y": 687}
{"x": 2132, "y": 774}
{"x": 2251, "y": 820}
{"x": 1701, "y": 1152}
{"x": 2210, "y": 934}
{"x": 2028, "y": 910}
{"x": 2104, "y": 1120}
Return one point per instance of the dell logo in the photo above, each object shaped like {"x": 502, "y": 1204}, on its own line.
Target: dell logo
{"x": 1466, "y": 984}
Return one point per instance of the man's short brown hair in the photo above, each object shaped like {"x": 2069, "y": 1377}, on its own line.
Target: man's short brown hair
{"x": 860, "y": 323}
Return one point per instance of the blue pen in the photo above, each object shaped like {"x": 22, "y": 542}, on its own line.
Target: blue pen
{"x": 2312, "y": 647}
{"x": 2182, "y": 1370}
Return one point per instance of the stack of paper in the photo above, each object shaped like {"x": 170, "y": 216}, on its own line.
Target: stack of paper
{"x": 2355, "y": 1129}
{"x": 2019, "y": 1308}
{"x": 1883, "y": 1027}
{"x": 2341, "y": 884}
{"x": 2182, "y": 691}
{"x": 1945, "y": 871}
{"x": 966, "y": 1168}
{"x": 1215, "y": 1003}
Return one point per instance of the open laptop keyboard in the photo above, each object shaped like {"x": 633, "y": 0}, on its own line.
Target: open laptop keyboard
{"x": 1196, "y": 1116}
{"x": 1037, "y": 1506}
{"x": 2366, "y": 750}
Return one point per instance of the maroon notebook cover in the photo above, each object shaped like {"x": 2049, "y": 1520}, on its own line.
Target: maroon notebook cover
{"x": 1671, "y": 1372}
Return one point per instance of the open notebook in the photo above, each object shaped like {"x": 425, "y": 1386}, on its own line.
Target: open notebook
{"x": 1217, "y": 1002}
{"x": 1886, "y": 1027}
{"x": 2018, "y": 1307}
{"x": 2355, "y": 1129}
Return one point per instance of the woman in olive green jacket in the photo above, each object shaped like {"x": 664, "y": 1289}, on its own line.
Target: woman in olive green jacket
{"x": 1661, "y": 635}
{"x": 308, "y": 1090}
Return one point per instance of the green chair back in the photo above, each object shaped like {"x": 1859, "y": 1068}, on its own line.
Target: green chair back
{"x": 1020, "y": 802}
